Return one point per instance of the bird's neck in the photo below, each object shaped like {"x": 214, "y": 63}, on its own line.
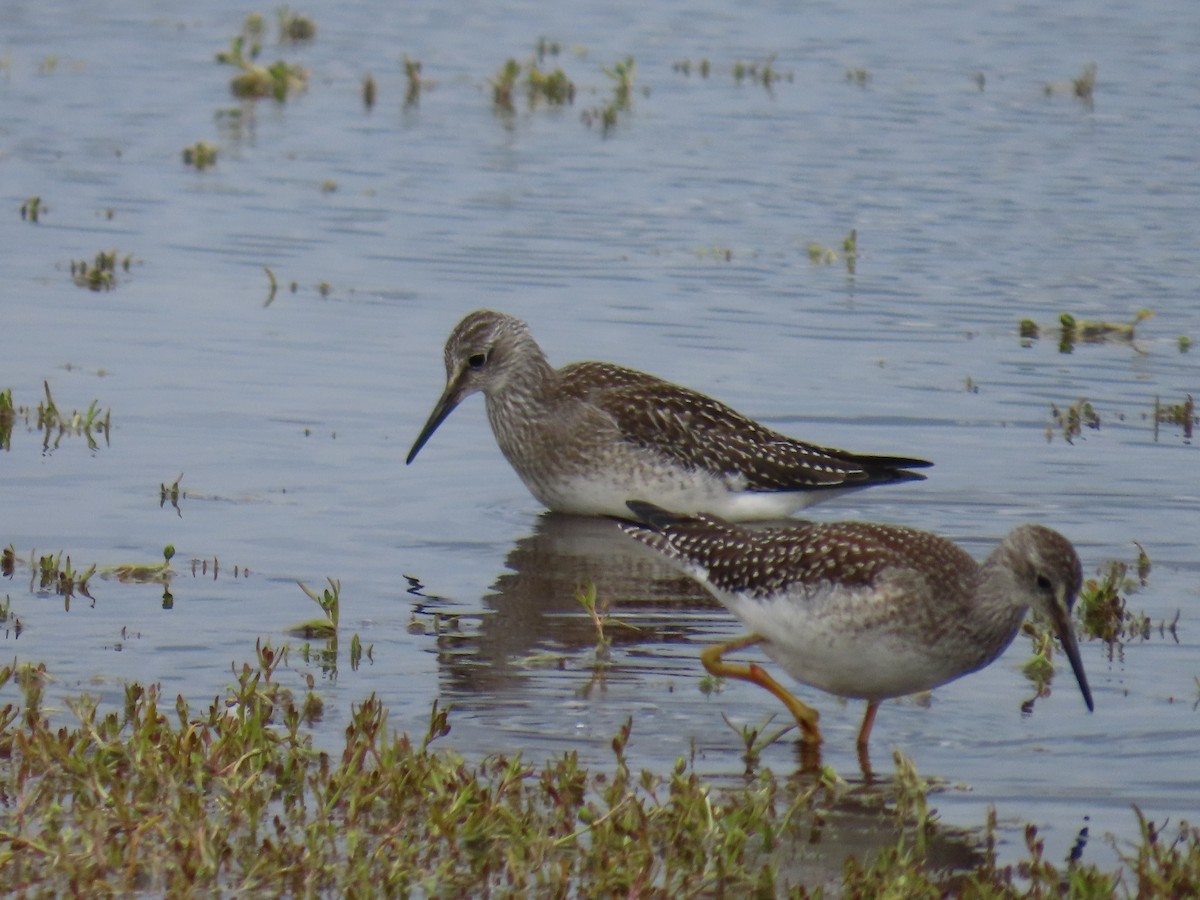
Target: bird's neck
{"x": 523, "y": 396}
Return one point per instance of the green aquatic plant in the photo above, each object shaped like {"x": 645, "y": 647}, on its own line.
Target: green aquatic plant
{"x": 55, "y": 425}
{"x": 412, "y": 73}
{"x": 274, "y": 286}
{"x": 554, "y": 88}
{"x": 171, "y": 492}
{"x": 1185, "y": 343}
{"x": 1083, "y": 86}
{"x": 684, "y": 67}
{"x": 101, "y": 274}
{"x": 1095, "y": 331}
{"x": 9, "y": 620}
{"x": 32, "y": 209}
{"x": 756, "y": 739}
{"x": 1181, "y": 414}
{"x": 622, "y": 73}
{"x": 330, "y": 602}
{"x": 503, "y": 85}
{"x": 8, "y": 416}
{"x": 825, "y": 256}
{"x": 545, "y": 47}
{"x": 294, "y": 28}
{"x": 279, "y": 80}
{"x": 159, "y": 796}
{"x": 144, "y": 573}
{"x": 201, "y": 155}
{"x": 1071, "y": 422}
{"x": 858, "y": 76}
{"x": 763, "y": 73}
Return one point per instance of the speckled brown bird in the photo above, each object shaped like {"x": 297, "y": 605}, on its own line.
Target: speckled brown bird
{"x": 591, "y": 436}
{"x": 864, "y": 610}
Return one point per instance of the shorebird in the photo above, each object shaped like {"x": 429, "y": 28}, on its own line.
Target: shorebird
{"x": 590, "y": 436}
{"x": 864, "y": 610}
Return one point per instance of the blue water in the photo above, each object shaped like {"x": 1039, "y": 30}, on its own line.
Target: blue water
{"x": 676, "y": 244}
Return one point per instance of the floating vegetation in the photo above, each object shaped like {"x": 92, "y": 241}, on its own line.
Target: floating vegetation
{"x": 101, "y": 275}
{"x": 1029, "y": 331}
{"x": 545, "y": 47}
{"x": 1185, "y": 343}
{"x": 755, "y": 739}
{"x": 1083, "y": 86}
{"x": 1095, "y": 332}
{"x": 684, "y": 67}
{"x": 763, "y": 73}
{"x": 862, "y": 77}
{"x": 723, "y": 254}
{"x": 412, "y": 73}
{"x": 171, "y": 492}
{"x": 278, "y": 80}
{"x": 503, "y": 85}
{"x": 552, "y": 88}
{"x": 274, "y": 286}
{"x": 1181, "y": 414}
{"x": 826, "y": 256}
{"x": 8, "y": 415}
{"x": 8, "y": 619}
{"x": 143, "y": 573}
{"x": 330, "y": 602}
{"x": 233, "y": 797}
{"x": 51, "y": 574}
{"x": 326, "y": 630}
{"x": 368, "y": 91}
{"x": 201, "y": 155}
{"x": 32, "y": 209}
{"x": 1103, "y": 608}
{"x": 295, "y": 28}
{"x": 622, "y": 73}
{"x": 53, "y": 423}
{"x": 1078, "y": 415}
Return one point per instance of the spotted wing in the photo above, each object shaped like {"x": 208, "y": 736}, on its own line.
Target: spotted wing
{"x": 700, "y": 433}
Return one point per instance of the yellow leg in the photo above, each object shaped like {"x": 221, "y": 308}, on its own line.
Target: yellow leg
{"x": 864, "y": 738}
{"x": 805, "y": 715}
{"x": 864, "y": 733}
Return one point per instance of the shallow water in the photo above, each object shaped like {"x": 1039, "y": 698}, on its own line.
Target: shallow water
{"x": 677, "y": 244}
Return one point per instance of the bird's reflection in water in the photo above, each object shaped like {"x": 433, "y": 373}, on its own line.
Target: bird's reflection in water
{"x": 533, "y": 622}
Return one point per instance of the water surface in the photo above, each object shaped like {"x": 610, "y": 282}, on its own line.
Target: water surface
{"x": 676, "y": 244}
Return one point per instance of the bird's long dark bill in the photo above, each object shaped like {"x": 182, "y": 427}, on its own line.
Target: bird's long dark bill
{"x": 1066, "y": 634}
{"x": 450, "y": 398}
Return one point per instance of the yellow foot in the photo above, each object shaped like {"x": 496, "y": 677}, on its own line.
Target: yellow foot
{"x": 806, "y": 716}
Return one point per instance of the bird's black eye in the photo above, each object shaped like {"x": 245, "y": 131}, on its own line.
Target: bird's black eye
{"x": 1043, "y": 583}
{"x": 476, "y": 360}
